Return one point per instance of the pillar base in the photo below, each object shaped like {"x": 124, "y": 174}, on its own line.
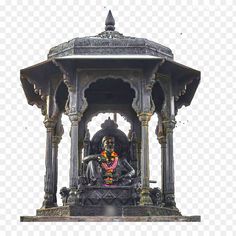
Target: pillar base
{"x": 48, "y": 201}
{"x": 169, "y": 201}
{"x": 145, "y": 198}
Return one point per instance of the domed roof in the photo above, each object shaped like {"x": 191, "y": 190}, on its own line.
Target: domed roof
{"x": 109, "y": 49}
{"x": 110, "y": 42}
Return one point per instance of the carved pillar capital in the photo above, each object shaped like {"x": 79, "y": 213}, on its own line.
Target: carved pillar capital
{"x": 169, "y": 125}
{"x": 49, "y": 123}
{"x": 161, "y": 129}
{"x": 75, "y": 117}
{"x": 161, "y": 132}
{"x": 57, "y": 135}
{"x": 56, "y": 140}
{"x": 144, "y": 117}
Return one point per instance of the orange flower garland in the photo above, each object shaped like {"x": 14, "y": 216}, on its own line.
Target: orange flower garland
{"x": 109, "y": 168}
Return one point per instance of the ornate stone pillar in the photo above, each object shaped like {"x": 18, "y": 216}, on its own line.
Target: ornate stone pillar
{"x": 55, "y": 168}
{"x": 145, "y": 198}
{"x": 58, "y": 131}
{"x": 86, "y": 146}
{"x": 134, "y": 151}
{"x": 166, "y": 124}
{"x": 165, "y": 137}
{"x": 48, "y": 177}
{"x": 74, "y": 157}
{"x": 80, "y": 147}
{"x": 169, "y": 196}
{"x": 161, "y": 137}
{"x": 86, "y": 143}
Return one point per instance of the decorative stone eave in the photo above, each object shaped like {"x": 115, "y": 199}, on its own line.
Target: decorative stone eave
{"x": 111, "y": 46}
{"x": 184, "y": 79}
{"x": 35, "y": 80}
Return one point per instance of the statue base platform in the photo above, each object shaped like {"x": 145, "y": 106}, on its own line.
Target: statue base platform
{"x": 110, "y": 219}
{"x": 109, "y": 213}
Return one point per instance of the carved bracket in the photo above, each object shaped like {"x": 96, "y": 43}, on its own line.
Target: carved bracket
{"x": 152, "y": 77}
{"x": 67, "y": 75}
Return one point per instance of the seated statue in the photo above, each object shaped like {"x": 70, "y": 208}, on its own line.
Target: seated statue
{"x": 107, "y": 168}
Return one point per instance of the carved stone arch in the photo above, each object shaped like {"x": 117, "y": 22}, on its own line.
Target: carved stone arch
{"x": 61, "y": 96}
{"x": 88, "y": 77}
{"x": 158, "y": 96}
{"x": 164, "y": 81}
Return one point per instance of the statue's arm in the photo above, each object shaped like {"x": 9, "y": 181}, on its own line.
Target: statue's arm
{"x": 129, "y": 168}
{"x": 89, "y": 158}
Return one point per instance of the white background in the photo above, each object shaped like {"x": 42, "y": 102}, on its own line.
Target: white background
{"x": 201, "y": 35}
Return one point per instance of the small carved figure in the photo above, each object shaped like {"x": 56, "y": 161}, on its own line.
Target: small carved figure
{"x": 64, "y": 192}
{"x": 156, "y": 196}
{"x": 107, "y": 168}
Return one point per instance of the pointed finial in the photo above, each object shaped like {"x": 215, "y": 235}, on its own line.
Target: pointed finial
{"x": 110, "y": 22}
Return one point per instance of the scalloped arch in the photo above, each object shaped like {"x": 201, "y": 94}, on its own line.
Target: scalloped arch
{"x": 127, "y": 77}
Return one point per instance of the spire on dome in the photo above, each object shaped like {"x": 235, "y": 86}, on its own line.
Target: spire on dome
{"x": 110, "y": 22}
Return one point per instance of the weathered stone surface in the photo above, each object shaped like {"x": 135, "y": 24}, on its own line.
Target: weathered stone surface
{"x": 110, "y": 43}
{"x": 149, "y": 211}
{"x": 119, "y": 195}
{"x": 110, "y": 219}
{"x": 108, "y": 211}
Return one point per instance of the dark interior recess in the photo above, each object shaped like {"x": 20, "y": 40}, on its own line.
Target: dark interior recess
{"x": 109, "y": 91}
{"x": 158, "y": 97}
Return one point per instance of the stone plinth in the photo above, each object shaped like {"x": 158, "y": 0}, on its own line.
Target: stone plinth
{"x": 110, "y": 219}
{"x": 108, "y": 211}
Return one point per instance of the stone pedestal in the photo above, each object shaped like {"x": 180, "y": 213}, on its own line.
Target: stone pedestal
{"x": 107, "y": 196}
{"x": 108, "y": 213}
{"x": 110, "y": 219}
{"x": 108, "y": 210}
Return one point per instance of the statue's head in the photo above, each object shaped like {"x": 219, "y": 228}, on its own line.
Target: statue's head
{"x": 108, "y": 143}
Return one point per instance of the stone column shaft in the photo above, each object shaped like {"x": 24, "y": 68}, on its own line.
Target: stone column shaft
{"x": 145, "y": 174}
{"x": 145, "y": 198}
{"x": 169, "y": 188}
{"x": 55, "y": 142}
{"x": 80, "y": 147}
{"x": 165, "y": 137}
{"x": 74, "y": 155}
{"x": 48, "y": 178}
{"x": 74, "y": 159}
{"x": 166, "y": 124}
{"x": 163, "y": 166}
